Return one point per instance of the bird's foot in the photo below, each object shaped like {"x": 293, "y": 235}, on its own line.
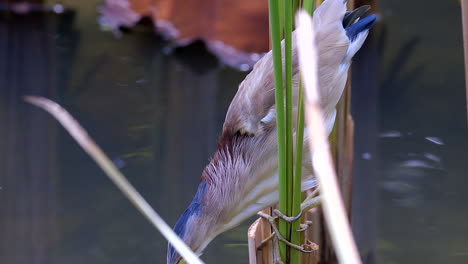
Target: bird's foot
{"x": 304, "y": 226}
{"x": 276, "y": 234}
{"x": 288, "y": 219}
{"x": 311, "y": 201}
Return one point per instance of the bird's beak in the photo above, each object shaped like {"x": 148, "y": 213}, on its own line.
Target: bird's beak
{"x": 352, "y": 16}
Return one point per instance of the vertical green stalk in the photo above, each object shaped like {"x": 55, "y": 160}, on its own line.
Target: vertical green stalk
{"x": 281, "y": 18}
{"x": 308, "y": 6}
{"x": 288, "y": 18}
{"x": 297, "y": 194}
{"x": 296, "y": 4}
{"x": 275, "y": 33}
{"x": 297, "y": 180}
{"x": 289, "y": 165}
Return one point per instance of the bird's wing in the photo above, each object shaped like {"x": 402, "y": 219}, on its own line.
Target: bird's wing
{"x": 253, "y": 100}
{"x": 254, "y": 104}
{"x": 332, "y": 44}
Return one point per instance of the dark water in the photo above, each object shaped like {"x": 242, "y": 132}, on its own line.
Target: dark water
{"x": 157, "y": 112}
{"x": 423, "y": 167}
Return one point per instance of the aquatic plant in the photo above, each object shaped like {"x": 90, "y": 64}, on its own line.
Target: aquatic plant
{"x": 289, "y": 163}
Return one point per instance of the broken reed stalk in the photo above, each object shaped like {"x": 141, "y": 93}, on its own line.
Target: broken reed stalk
{"x": 464, "y": 9}
{"x": 322, "y": 162}
{"x": 89, "y": 146}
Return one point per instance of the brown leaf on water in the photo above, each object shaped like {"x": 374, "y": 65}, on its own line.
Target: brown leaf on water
{"x": 233, "y": 30}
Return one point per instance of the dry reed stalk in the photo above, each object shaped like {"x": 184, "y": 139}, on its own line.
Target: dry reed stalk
{"x": 254, "y": 237}
{"x": 347, "y": 164}
{"x": 464, "y": 7}
{"x": 95, "y": 152}
{"x": 310, "y": 258}
{"x": 332, "y": 203}
{"x": 342, "y": 145}
{"x": 313, "y": 234}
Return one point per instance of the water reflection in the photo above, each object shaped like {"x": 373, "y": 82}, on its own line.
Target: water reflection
{"x": 158, "y": 116}
{"x": 29, "y": 156}
{"x": 422, "y": 171}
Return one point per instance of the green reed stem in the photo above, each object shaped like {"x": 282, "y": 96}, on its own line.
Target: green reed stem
{"x": 275, "y": 33}
{"x": 308, "y": 6}
{"x": 288, "y": 25}
{"x": 297, "y": 195}
{"x": 296, "y": 4}
{"x": 289, "y": 163}
{"x": 281, "y": 4}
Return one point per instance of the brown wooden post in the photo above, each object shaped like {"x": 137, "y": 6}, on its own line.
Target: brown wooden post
{"x": 257, "y": 232}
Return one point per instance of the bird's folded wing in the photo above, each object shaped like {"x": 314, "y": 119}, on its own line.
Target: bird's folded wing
{"x": 255, "y": 98}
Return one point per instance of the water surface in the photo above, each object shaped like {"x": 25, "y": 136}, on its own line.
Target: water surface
{"x": 157, "y": 112}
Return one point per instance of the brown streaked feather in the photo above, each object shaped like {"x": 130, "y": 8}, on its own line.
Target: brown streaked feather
{"x": 255, "y": 97}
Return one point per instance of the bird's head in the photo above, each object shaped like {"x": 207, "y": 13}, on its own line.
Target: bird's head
{"x": 228, "y": 193}
{"x": 193, "y": 216}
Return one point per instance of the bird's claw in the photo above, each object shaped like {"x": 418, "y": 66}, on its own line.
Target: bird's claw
{"x": 277, "y": 234}
{"x": 304, "y": 226}
{"x": 288, "y": 219}
{"x": 264, "y": 241}
{"x": 311, "y": 201}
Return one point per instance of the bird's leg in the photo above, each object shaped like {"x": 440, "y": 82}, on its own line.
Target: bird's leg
{"x": 272, "y": 220}
{"x": 277, "y": 256}
{"x": 277, "y": 259}
{"x": 288, "y": 219}
{"x": 310, "y": 202}
{"x": 304, "y": 226}
{"x": 264, "y": 241}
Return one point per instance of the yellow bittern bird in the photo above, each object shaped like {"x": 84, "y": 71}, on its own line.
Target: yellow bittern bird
{"x": 242, "y": 176}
